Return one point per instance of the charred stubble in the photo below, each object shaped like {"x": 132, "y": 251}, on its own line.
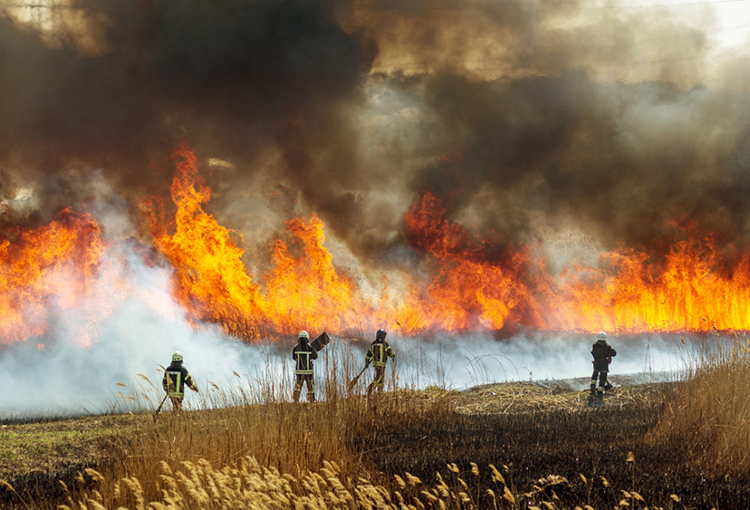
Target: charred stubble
{"x": 594, "y": 443}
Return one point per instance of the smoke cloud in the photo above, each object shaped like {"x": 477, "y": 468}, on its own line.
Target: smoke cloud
{"x": 123, "y": 370}
{"x": 527, "y": 118}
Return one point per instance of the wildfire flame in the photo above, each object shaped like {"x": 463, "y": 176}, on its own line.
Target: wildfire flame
{"x": 465, "y": 282}
{"x": 308, "y": 291}
{"x": 211, "y": 279}
{"x": 694, "y": 288}
{"x": 214, "y": 285}
{"x": 467, "y": 291}
{"x": 45, "y": 270}
{"x": 687, "y": 292}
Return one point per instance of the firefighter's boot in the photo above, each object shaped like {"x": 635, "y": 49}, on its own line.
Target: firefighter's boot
{"x": 593, "y": 388}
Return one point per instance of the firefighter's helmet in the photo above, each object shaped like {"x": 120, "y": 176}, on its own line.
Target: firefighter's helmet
{"x": 380, "y": 335}
{"x": 602, "y": 336}
{"x": 177, "y": 356}
{"x": 304, "y": 337}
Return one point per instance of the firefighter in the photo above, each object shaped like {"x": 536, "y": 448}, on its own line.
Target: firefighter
{"x": 175, "y": 379}
{"x": 303, "y": 355}
{"x": 603, "y": 354}
{"x": 378, "y": 354}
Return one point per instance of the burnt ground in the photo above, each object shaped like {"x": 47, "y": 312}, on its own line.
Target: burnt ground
{"x": 544, "y": 437}
{"x": 547, "y": 438}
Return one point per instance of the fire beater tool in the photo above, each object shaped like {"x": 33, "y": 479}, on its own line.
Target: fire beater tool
{"x": 156, "y": 413}
{"x": 320, "y": 342}
{"x": 350, "y": 386}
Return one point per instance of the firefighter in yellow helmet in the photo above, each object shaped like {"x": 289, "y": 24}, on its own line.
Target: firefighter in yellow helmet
{"x": 378, "y": 355}
{"x": 303, "y": 355}
{"x": 175, "y": 379}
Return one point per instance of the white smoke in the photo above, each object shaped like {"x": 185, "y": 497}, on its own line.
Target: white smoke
{"x": 63, "y": 378}
{"x": 68, "y": 380}
{"x": 139, "y": 338}
{"x": 464, "y": 361}
{"x": 107, "y": 353}
{"x": 122, "y": 368}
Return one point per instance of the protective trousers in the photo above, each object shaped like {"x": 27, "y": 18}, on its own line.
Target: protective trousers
{"x": 176, "y": 403}
{"x": 602, "y": 376}
{"x": 304, "y": 378}
{"x": 377, "y": 381}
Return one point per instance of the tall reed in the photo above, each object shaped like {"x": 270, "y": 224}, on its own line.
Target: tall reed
{"x": 709, "y": 414}
{"x": 238, "y": 419}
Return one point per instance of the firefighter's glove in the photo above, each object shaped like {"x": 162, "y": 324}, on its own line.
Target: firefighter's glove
{"x": 195, "y": 389}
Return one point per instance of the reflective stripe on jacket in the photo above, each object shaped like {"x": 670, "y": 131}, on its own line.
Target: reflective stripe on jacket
{"x": 378, "y": 353}
{"x": 175, "y": 379}
{"x": 303, "y": 355}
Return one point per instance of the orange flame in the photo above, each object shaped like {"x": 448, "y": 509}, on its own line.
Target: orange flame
{"x": 308, "y": 291}
{"x": 464, "y": 282}
{"x": 214, "y": 285}
{"x": 467, "y": 291}
{"x": 211, "y": 280}
{"x": 47, "y": 269}
{"x": 471, "y": 283}
{"x": 688, "y": 292}
{"x": 695, "y": 287}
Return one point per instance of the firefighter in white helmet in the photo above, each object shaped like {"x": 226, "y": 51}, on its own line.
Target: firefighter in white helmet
{"x": 603, "y": 354}
{"x": 175, "y": 379}
{"x": 303, "y": 355}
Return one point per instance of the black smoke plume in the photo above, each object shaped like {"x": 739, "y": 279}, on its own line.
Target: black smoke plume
{"x": 525, "y": 118}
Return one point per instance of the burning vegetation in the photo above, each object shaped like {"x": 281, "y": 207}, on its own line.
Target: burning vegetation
{"x": 687, "y": 282}
{"x": 49, "y": 268}
{"x": 419, "y": 182}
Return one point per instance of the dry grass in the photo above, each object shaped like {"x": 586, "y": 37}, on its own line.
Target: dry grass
{"x": 256, "y": 450}
{"x": 346, "y": 454}
{"x": 525, "y": 397}
{"x": 261, "y": 424}
{"x": 710, "y": 413}
{"x": 247, "y": 484}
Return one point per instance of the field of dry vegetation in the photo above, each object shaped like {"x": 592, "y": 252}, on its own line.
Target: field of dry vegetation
{"x": 513, "y": 445}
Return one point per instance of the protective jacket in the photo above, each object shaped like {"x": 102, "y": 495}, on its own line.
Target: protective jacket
{"x": 175, "y": 379}
{"x": 303, "y": 354}
{"x": 378, "y": 353}
{"x": 603, "y": 354}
